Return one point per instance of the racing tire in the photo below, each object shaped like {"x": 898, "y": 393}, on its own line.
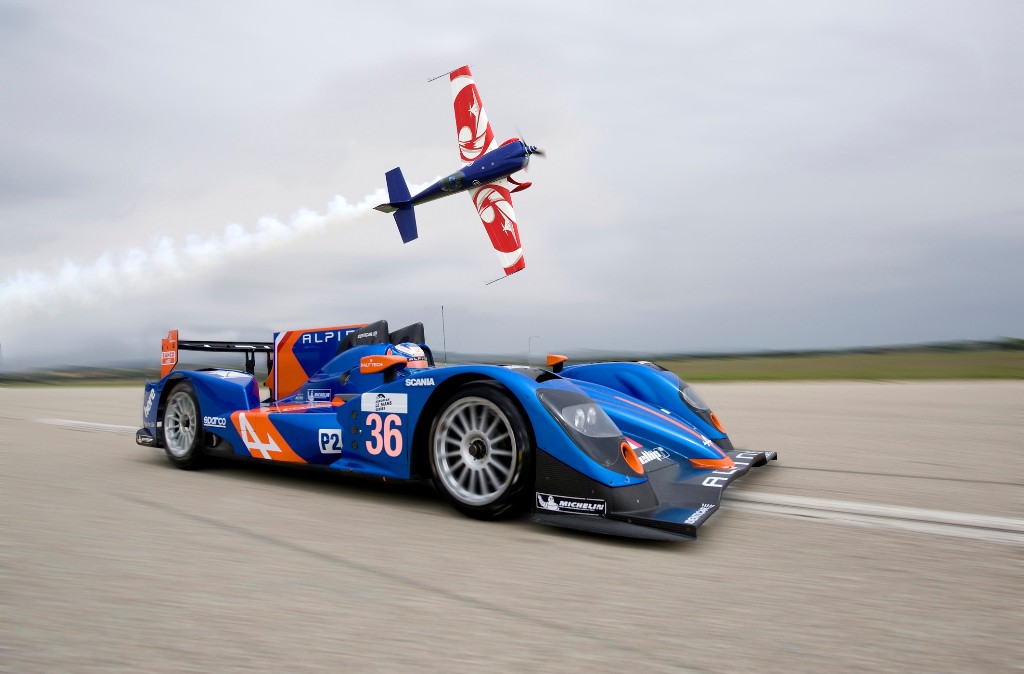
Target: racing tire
{"x": 182, "y": 428}
{"x": 482, "y": 453}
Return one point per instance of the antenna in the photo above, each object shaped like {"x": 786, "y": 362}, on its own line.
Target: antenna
{"x": 500, "y": 278}
{"x": 503, "y": 277}
{"x": 444, "y": 74}
{"x": 444, "y": 337}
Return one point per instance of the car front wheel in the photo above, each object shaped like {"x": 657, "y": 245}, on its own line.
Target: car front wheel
{"x": 481, "y": 453}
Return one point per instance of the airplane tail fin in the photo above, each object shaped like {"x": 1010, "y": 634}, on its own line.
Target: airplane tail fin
{"x": 400, "y": 205}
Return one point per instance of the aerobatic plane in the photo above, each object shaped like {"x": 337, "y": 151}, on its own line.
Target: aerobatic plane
{"x": 486, "y": 174}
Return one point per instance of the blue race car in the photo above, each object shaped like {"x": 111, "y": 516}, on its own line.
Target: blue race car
{"x": 626, "y": 449}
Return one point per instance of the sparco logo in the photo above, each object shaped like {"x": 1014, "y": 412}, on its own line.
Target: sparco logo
{"x": 215, "y": 422}
{"x": 420, "y": 381}
{"x": 704, "y": 507}
{"x": 566, "y": 504}
{"x": 149, "y": 402}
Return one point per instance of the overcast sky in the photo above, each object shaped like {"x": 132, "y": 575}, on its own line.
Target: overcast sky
{"x": 720, "y": 176}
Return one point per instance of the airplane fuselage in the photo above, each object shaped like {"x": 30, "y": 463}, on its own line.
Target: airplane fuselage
{"x": 499, "y": 163}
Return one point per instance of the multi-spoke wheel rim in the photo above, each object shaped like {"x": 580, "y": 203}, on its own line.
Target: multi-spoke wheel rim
{"x": 475, "y": 451}
{"x": 180, "y": 424}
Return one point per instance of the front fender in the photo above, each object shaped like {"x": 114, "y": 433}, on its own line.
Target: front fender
{"x": 647, "y": 383}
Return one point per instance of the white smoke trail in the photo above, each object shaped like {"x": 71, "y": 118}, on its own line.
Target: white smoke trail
{"x": 137, "y": 270}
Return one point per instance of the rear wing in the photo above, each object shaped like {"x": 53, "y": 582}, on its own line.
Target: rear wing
{"x": 170, "y": 346}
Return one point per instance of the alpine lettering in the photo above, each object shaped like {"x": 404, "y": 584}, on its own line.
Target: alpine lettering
{"x": 324, "y": 336}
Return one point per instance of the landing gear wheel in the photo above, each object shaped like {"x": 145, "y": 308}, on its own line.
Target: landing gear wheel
{"x": 182, "y": 428}
{"x": 481, "y": 453}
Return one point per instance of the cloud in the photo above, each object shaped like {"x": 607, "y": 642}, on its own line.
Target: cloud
{"x": 718, "y": 177}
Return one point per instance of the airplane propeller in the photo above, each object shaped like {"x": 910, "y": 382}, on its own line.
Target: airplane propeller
{"x": 531, "y": 149}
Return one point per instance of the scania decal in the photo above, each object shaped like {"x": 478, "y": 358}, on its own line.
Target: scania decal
{"x": 215, "y": 422}
{"x": 568, "y": 504}
{"x": 397, "y": 403}
{"x": 695, "y": 517}
{"x": 149, "y": 402}
{"x": 420, "y": 381}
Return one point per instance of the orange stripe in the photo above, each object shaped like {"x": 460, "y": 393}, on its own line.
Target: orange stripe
{"x": 714, "y": 464}
{"x": 673, "y": 421}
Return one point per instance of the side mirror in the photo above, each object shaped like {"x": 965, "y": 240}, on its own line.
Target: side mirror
{"x": 556, "y": 362}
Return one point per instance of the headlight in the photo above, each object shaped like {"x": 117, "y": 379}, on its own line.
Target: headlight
{"x": 589, "y": 419}
{"x": 697, "y": 404}
{"x": 589, "y": 426}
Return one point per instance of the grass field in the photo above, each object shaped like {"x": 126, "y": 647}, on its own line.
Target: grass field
{"x": 924, "y": 364}
{"x": 919, "y": 363}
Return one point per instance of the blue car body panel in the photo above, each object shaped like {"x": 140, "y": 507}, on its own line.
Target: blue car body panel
{"x": 374, "y": 424}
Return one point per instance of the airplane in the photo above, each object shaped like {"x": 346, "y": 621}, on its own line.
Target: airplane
{"x": 486, "y": 174}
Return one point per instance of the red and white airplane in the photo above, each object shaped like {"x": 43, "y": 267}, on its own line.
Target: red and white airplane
{"x": 487, "y": 174}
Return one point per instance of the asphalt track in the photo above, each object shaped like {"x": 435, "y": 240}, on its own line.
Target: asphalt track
{"x": 888, "y": 537}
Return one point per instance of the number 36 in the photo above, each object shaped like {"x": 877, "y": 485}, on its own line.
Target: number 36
{"x": 385, "y": 434}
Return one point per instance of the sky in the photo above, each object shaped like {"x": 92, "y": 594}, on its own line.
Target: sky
{"x": 719, "y": 176}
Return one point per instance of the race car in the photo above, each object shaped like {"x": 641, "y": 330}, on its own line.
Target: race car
{"x": 626, "y": 449}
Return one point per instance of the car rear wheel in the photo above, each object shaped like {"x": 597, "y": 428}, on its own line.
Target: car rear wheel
{"x": 481, "y": 453}
{"x": 182, "y": 429}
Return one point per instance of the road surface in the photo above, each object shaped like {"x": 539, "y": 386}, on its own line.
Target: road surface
{"x": 889, "y": 536}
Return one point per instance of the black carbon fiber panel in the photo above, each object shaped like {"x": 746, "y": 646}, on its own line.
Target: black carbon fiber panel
{"x": 554, "y": 477}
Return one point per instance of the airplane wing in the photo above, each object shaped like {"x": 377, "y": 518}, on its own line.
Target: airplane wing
{"x": 493, "y": 203}
{"x": 471, "y": 123}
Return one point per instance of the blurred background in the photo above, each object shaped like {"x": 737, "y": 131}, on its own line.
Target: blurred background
{"x": 731, "y": 179}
